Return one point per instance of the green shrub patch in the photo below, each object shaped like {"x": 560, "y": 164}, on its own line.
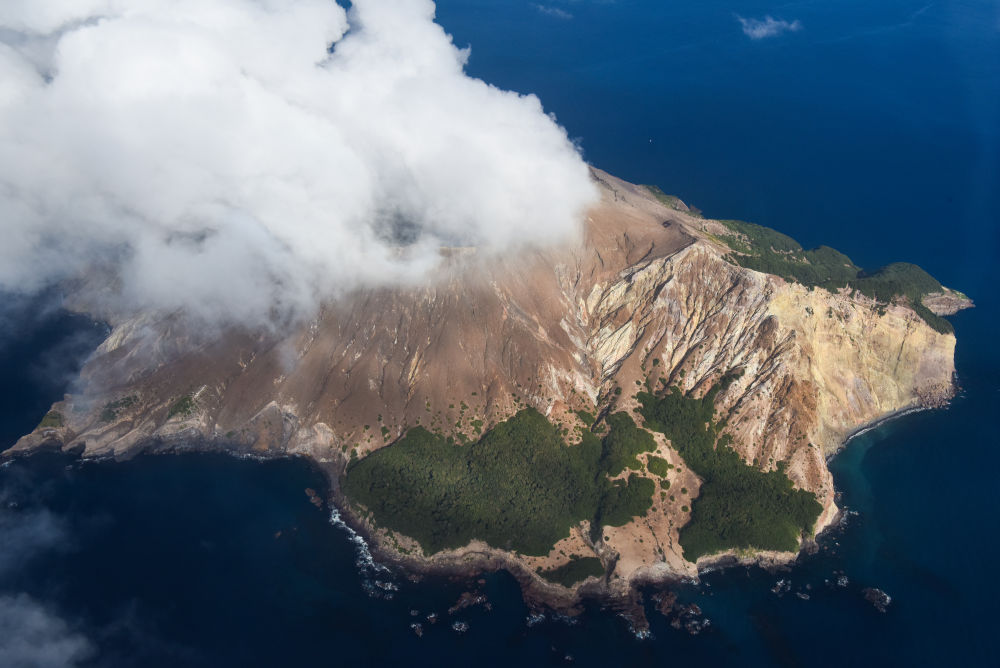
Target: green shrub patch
{"x": 519, "y": 487}
{"x": 739, "y": 506}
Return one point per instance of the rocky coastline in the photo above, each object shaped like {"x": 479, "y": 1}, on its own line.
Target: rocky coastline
{"x": 652, "y": 294}
{"x": 542, "y": 597}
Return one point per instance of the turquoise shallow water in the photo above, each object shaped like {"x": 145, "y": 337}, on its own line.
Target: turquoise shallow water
{"x": 874, "y": 128}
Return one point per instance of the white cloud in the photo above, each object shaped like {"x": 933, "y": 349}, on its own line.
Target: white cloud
{"x": 215, "y": 156}
{"x": 555, "y": 12}
{"x": 32, "y": 636}
{"x": 767, "y": 27}
{"x": 25, "y": 534}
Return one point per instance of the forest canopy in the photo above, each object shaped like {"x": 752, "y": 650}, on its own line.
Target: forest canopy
{"x": 739, "y": 506}
{"x": 520, "y": 487}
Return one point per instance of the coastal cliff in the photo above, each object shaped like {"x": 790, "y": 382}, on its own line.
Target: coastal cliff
{"x": 778, "y": 353}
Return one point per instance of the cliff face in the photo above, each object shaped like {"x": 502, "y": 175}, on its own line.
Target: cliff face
{"x": 649, "y": 294}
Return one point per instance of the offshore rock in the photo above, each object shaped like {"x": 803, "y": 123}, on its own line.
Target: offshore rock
{"x": 878, "y": 598}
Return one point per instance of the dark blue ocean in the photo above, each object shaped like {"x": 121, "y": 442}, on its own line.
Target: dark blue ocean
{"x": 873, "y": 127}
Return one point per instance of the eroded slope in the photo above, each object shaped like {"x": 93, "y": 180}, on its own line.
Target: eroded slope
{"x": 653, "y": 298}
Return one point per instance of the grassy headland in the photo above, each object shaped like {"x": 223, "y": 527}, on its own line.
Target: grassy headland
{"x": 763, "y": 249}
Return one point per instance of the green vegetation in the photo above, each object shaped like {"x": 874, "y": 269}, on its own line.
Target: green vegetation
{"x": 622, "y": 501}
{"x": 586, "y": 417}
{"x": 624, "y": 441}
{"x": 763, "y": 249}
{"x": 110, "y": 411}
{"x": 518, "y": 487}
{"x": 907, "y": 280}
{"x": 772, "y": 252}
{"x": 739, "y": 506}
{"x": 183, "y": 407}
{"x": 577, "y": 570}
{"x": 898, "y": 278}
{"x": 658, "y": 466}
{"x": 51, "y": 420}
{"x": 672, "y": 201}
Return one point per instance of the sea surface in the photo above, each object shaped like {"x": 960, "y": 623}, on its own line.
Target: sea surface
{"x": 870, "y": 127}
